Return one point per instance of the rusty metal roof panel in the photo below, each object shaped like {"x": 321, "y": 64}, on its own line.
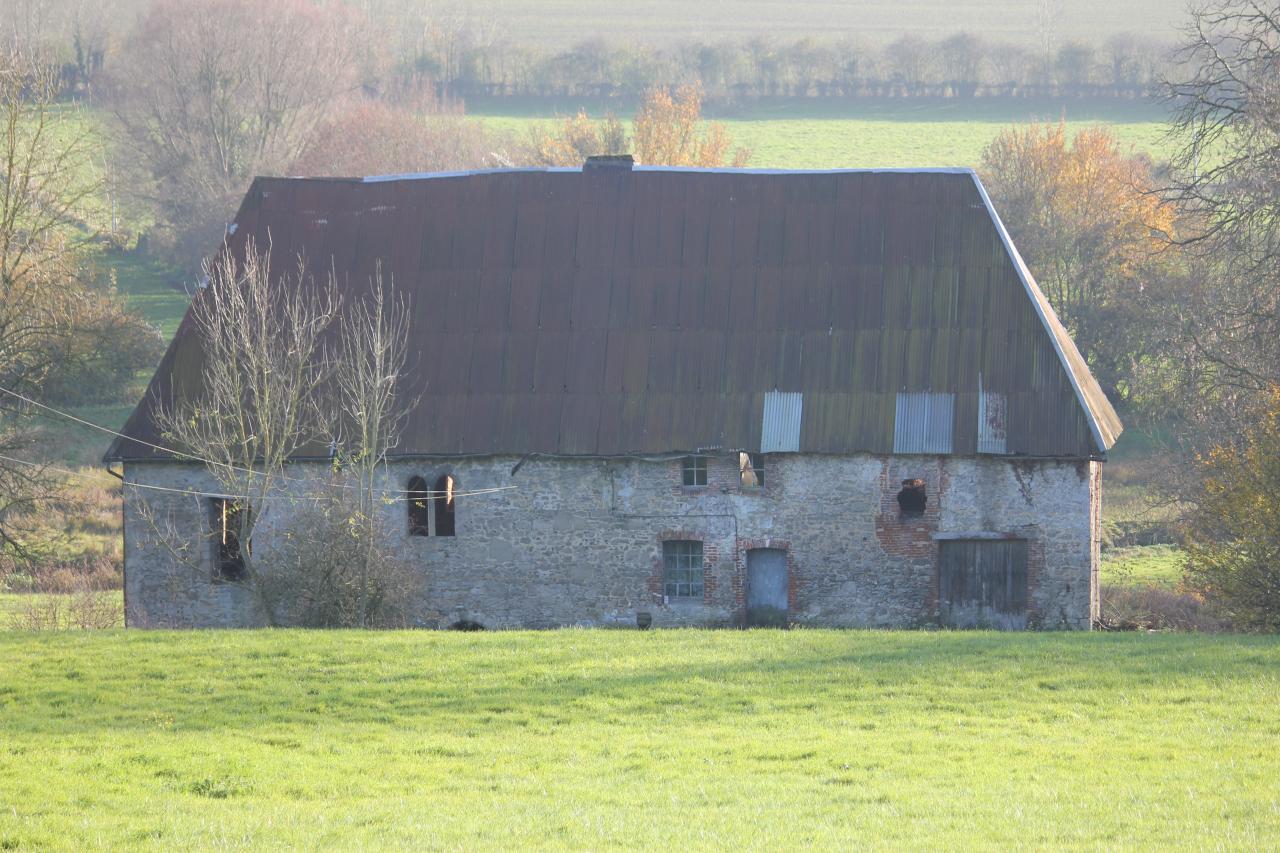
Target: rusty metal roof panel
{"x": 610, "y": 312}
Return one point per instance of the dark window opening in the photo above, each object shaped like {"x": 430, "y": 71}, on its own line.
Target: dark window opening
{"x": 694, "y": 470}
{"x": 419, "y": 503}
{"x": 228, "y": 560}
{"x": 752, "y": 470}
{"x": 444, "y": 503}
{"x": 682, "y": 568}
{"x": 912, "y": 499}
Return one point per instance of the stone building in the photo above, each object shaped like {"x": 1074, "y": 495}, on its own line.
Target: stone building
{"x": 709, "y": 397}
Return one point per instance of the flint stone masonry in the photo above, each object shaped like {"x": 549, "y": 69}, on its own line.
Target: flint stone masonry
{"x": 579, "y": 542}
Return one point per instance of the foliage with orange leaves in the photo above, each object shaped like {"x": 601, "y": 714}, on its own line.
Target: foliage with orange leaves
{"x": 573, "y": 139}
{"x": 1085, "y": 218}
{"x": 669, "y": 131}
{"x": 1233, "y": 532}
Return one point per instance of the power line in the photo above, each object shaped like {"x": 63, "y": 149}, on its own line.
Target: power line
{"x": 417, "y": 496}
{"x": 407, "y": 494}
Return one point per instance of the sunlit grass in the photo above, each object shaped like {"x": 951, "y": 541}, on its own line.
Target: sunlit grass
{"x": 1149, "y": 565}
{"x": 877, "y": 134}
{"x": 594, "y": 739}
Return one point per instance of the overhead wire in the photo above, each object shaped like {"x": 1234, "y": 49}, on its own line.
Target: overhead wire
{"x": 404, "y": 494}
{"x": 416, "y": 496}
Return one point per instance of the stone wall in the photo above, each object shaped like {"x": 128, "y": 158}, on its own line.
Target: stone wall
{"x": 579, "y": 542}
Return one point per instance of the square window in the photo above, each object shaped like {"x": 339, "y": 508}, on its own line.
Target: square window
{"x": 694, "y": 470}
{"x": 682, "y": 568}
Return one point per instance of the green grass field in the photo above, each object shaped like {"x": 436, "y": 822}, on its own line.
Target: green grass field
{"x": 1150, "y": 565}
{"x": 864, "y": 134}
{"x": 561, "y": 23}
{"x": 594, "y": 739}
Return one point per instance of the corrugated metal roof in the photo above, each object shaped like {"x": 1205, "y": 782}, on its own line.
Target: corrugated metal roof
{"x": 924, "y": 422}
{"x": 780, "y": 429}
{"x": 615, "y": 311}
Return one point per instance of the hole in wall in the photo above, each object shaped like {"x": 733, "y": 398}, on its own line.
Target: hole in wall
{"x": 913, "y": 499}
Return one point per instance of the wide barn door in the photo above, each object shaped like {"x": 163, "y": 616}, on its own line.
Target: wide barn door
{"x": 982, "y": 583}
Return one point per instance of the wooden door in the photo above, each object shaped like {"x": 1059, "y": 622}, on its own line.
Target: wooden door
{"x": 982, "y": 583}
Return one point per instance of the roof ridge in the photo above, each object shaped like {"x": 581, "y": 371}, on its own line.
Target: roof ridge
{"x": 727, "y": 170}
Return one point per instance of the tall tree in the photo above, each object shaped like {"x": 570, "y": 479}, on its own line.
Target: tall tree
{"x": 1086, "y": 220}
{"x": 1226, "y": 180}
{"x": 258, "y": 402}
{"x": 60, "y": 329}
{"x": 210, "y": 93}
{"x": 288, "y": 368}
{"x": 368, "y": 137}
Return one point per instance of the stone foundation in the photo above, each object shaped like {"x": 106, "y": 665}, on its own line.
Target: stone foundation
{"x": 579, "y": 542}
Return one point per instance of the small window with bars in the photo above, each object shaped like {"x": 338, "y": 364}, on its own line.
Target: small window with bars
{"x": 694, "y": 471}
{"x": 682, "y": 568}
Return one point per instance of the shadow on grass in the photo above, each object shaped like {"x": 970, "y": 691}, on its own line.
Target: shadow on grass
{"x": 251, "y": 680}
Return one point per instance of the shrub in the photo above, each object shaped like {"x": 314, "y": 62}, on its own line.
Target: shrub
{"x": 1233, "y": 533}
{"x": 1147, "y": 607}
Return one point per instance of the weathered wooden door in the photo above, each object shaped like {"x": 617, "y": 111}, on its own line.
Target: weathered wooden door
{"x": 982, "y": 583}
{"x": 766, "y": 587}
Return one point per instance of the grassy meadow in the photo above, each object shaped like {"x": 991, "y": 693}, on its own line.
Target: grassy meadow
{"x": 590, "y": 739}
{"x": 562, "y": 23}
{"x": 872, "y": 133}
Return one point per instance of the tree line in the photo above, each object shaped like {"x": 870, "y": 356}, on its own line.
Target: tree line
{"x": 1164, "y": 273}
{"x": 468, "y": 56}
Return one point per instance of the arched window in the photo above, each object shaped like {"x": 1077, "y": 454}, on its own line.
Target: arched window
{"x": 419, "y": 504}
{"x": 444, "y": 504}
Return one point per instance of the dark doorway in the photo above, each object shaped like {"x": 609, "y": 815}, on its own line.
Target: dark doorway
{"x": 982, "y": 583}
{"x": 766, "y": 587}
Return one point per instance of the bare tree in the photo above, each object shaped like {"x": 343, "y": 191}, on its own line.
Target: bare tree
{"x": 367, "y": 371}
{"x": 258, "y": 401}
{"x": 366, "y": 137}
{"x": 1048, "y": 23}
{"x": 56, "y": 323}
{"x": 289, "y": 369}
{"x": 1226, "y": 180}
{"x": 213, "y": 92}
{"x": 911, "y": 59}
{"x": 961, "y": 59}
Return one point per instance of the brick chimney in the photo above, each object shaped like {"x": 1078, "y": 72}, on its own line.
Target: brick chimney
{"x": 622, "y": 162}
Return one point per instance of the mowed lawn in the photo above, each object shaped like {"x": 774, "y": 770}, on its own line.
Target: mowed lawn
{"x": 624, "y": 739}
{"x": 876, "y": 134}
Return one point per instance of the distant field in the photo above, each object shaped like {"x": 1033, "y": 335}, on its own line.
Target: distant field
{"x": 877, "y": 133}
{"x": 659, "y": 740}
{"x": 561, "y": 23}
{"x": 1151, "y": 565}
